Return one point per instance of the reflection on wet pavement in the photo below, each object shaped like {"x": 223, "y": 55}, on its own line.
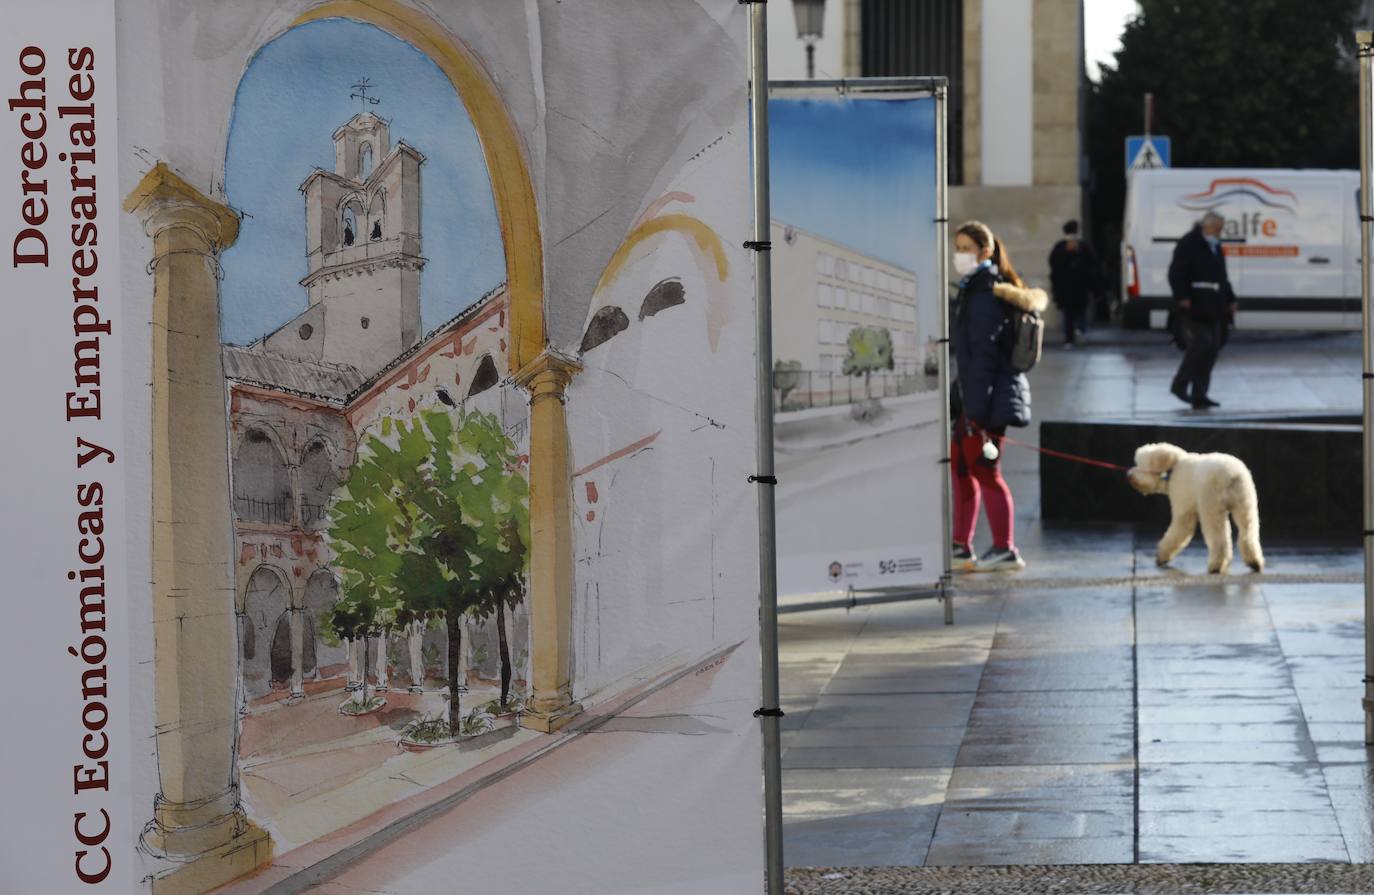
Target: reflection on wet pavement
{"x": 1095, "y": 709}
{"x": 1137, "y": 722}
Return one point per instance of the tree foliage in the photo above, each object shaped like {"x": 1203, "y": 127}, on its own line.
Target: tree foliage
{"x": 433, "y": 512}
{"x": 787, "y": 375}
{"x": 1236, "y": 83}
{"x": 870, "y": 350}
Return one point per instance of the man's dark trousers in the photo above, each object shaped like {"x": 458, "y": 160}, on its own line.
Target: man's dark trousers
{"x": 1204, "y": 341}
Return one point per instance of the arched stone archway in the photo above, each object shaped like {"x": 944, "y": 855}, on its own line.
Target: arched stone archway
{"x": 318, "y": 479}
{"x": 197, "y": 816}
{"x": 545, "y": 374}
{"x": 266, "y": 613}
{"x": 318, "y": 657}
{"x": 506, "y": 154}
{"x": 262, "y": 480}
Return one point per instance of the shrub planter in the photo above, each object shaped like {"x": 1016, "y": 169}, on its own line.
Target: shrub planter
{"x": 358, "y": 709}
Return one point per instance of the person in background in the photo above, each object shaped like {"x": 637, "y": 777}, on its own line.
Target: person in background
{"x": 1073, "y": 279}
{"x": 988, "y": 395}
{"x": 1205, "y": 305}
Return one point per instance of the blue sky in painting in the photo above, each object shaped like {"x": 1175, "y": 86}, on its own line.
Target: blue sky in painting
{"x": 860, "y": 172}
{"x": 293, "y": 96}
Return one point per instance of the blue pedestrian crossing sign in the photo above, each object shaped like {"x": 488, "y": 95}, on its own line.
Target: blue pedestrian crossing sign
{"x": 1153, "y": 151}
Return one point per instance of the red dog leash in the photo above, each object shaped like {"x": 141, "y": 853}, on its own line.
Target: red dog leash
{"x": 974, "y": 428}
{"x": 1063, "y": 456}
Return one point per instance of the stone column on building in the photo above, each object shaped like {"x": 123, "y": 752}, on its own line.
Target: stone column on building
{"x": 383, "y": 682}
{"x": 551, "y": 706}
{"x": 355, "y": 677}
{"x": 198, "y": 821}
{"x": 297, "y": 509}
{"x": 297, "y": 622}
{"x": 415, "y": 636}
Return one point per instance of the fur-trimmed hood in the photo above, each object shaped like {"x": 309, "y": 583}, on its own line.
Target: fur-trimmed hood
{"x": 1024, "y": 298}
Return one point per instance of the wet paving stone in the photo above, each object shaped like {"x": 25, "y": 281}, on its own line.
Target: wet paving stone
{"x": 869, "y": 756}
{"x": 1022, "y": 745}
{"x": 1186, "y": 752}
{"x": 897, "y": 710}
{"x": 1218, "y": 823}
{"x": 877, "y": 839}
{"x": 1078, "y": 850}
{"x": 1279, "y": 849}
{"x": 1090, "y": 879}
{"x": 1218, "y": 723}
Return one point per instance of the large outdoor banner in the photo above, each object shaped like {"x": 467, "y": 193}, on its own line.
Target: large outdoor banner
{"x": 856, "y": 337}
{"x": 377, "y": 506}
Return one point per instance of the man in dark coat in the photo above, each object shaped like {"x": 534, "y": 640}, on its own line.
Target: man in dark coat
{"x": 1073, "y": 279}
{"x": 1205, "y": 305}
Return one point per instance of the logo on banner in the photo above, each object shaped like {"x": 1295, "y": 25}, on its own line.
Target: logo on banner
{"x": 1245, "y": 224}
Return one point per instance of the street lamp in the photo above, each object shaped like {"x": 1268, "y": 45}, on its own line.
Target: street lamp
{"x": 810, "y": 24}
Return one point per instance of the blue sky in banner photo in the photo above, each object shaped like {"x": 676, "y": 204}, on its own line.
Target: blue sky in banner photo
{"x": 860, "y": 172}
{"x": 293, "y": 96}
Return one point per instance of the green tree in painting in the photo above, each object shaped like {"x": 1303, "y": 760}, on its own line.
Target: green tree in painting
{"x": 787, "y": 375}
{"x": 430, "y": 493}
{"x": 504, "y": 562}
{"x": 367, "y": 522}
{"x": 870, "y": 349}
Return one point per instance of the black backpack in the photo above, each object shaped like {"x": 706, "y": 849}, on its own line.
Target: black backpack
{"x": 1024, "y": 335}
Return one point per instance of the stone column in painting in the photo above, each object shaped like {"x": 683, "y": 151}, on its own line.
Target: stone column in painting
{"x": 415, "y": 639}
{"x": 197, "y": 822}
{"x": 550, "y": 707}
{"x": 297, "y": 622}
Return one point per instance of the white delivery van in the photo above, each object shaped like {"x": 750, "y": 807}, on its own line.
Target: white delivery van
{"x": 1291, "y": 241}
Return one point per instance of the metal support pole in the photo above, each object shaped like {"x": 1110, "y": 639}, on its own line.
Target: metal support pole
{"x": 942, "y": 297}
{"x": 1365, "y": 40}
{"x": 770, "y": 715}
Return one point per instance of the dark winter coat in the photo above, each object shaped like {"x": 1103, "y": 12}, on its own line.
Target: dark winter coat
{"x": 1073, "y": 274}
{"x": 988, "y": 390}
{"x": 1198, "y": 274}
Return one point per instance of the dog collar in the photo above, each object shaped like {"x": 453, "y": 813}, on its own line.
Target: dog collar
{"x": 1164, "y": 475}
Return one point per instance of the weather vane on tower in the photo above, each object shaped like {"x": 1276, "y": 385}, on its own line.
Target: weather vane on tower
{"x": 361, "y": 89}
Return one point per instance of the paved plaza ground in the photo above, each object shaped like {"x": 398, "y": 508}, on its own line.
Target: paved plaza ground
{"x": 1094, "y": 709}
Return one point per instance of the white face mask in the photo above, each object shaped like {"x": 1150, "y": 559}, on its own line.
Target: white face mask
{"x": 965, "y": 263}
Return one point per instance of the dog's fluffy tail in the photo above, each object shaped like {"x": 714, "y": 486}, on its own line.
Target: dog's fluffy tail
{"x": 1245, "y": 511}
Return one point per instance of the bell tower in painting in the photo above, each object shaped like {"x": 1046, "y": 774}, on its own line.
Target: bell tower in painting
{"x": 363, "y": 246}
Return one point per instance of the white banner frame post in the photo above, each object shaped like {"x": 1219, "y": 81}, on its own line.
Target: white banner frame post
{"x": 936, "y": 87}
{"x": 764, "y": 478}
{"x": 1365, "y": 43}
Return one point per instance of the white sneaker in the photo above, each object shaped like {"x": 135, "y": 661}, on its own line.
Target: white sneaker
{"x": 1004, "y": 559}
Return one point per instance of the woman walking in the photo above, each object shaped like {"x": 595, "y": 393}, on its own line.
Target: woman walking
{"x": 989, "y": 393}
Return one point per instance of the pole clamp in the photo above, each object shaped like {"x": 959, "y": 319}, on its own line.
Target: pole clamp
{"x": 764, "y": 479}
{"x": 1368, "y": 533}
{"x": 768, "y": 713}
{"x": 1367, "y": 375}
{"x": 747, "y": 2}
{"x": 941, "y": 220}
{"x": 758, "y": 245}
{"x": 1367, "y": 679}
{"x": 1364, "y": 218}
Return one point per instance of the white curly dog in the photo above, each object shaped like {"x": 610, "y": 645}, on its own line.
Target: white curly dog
{"x": 1204, "y": 488}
